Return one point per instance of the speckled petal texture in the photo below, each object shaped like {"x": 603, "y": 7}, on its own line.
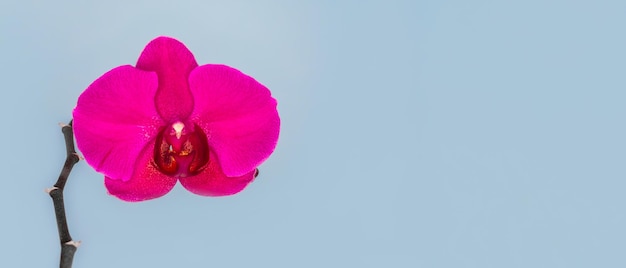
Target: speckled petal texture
{"x": 147, "y": 182}
{"x": 213, "y": 182}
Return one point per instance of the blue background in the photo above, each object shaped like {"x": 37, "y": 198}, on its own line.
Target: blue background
{"x": 414, "y": 134}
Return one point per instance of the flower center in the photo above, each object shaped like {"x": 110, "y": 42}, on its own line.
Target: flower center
{"x": 181, "y": 150}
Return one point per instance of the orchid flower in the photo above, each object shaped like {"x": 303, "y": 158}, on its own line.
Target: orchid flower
{"x": 168, "y": 119}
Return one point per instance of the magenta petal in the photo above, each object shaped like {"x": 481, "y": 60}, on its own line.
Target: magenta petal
{"x": 238, "y": 114}
{"x": 115, "y": 118}
{"x": 172, "y": 62}
{"x": 212, "y": 181}
{"x": 146, "y": 182}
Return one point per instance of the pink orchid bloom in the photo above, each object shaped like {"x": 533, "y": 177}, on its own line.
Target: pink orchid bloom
{"x": 168, "y": 119}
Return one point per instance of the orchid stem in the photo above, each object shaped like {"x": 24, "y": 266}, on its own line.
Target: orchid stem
{"x": 68, "y": 246}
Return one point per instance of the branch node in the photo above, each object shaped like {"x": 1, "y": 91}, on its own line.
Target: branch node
{"x": 49, "y": 190}
{"x": 73, "y": 243}
{"x": 80, "y": 157}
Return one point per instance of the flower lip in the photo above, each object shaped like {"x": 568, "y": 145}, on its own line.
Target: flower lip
{"x": 181, "y": 151}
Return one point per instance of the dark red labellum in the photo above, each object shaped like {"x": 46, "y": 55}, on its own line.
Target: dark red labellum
{"x": 181, "y": 150}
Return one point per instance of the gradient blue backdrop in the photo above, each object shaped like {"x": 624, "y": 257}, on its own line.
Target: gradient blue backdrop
{"x": 415, "y": 134}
